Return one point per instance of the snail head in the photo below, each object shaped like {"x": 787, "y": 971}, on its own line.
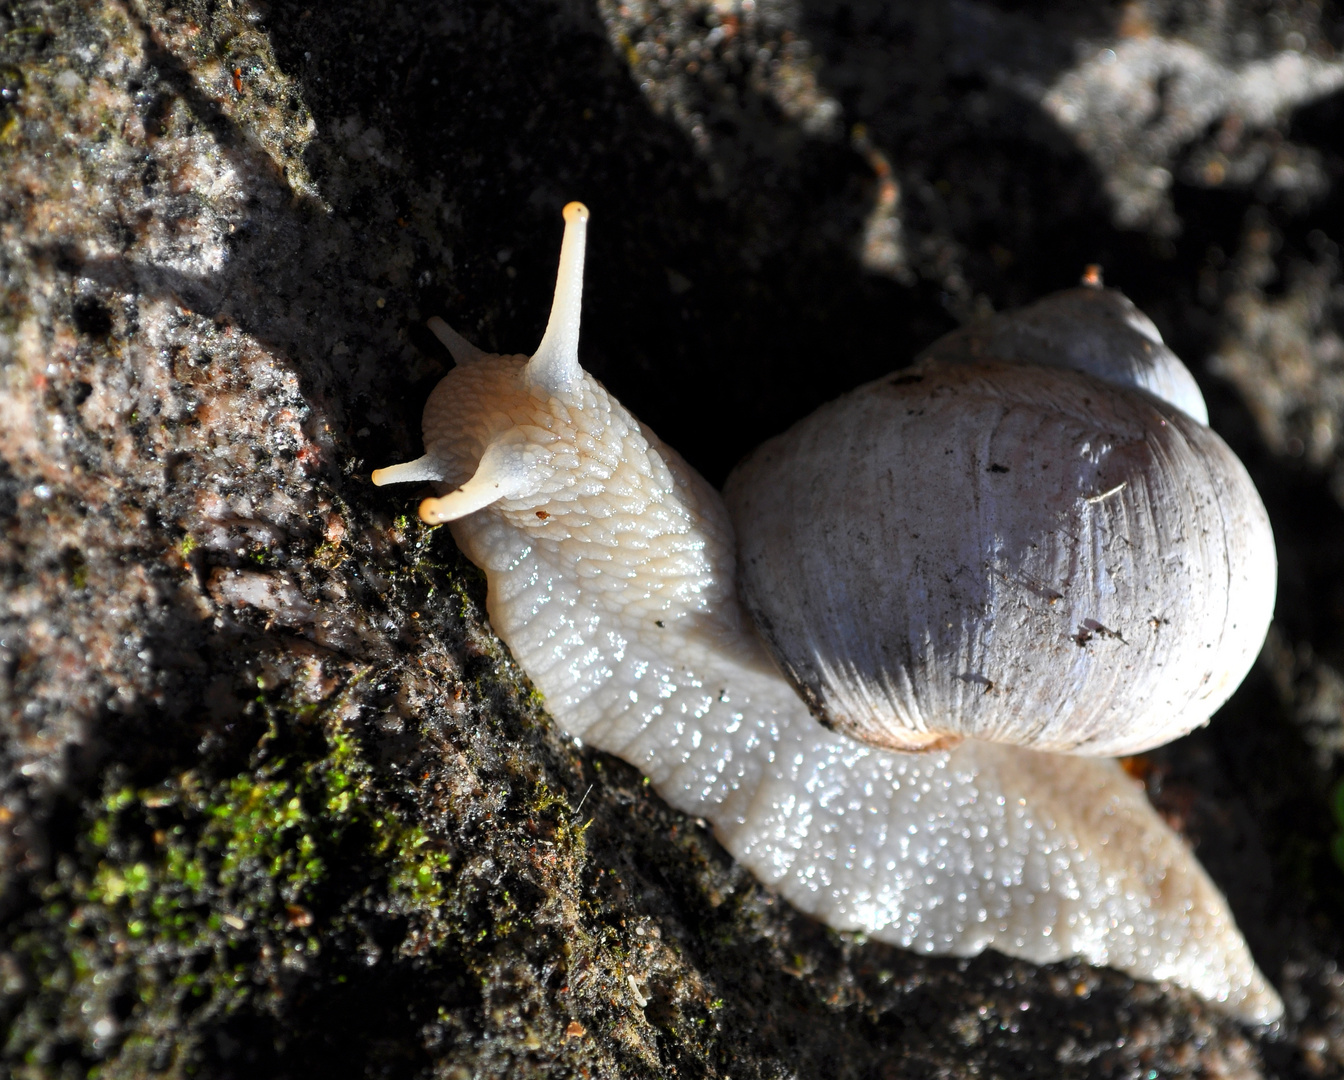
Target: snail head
{"x": 514, "y": 429}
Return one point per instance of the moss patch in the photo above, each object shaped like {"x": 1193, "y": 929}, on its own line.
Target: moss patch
{"x": 184, "y": 903}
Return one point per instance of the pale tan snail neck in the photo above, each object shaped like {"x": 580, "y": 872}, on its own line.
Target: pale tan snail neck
{"x": 612, "y": 578}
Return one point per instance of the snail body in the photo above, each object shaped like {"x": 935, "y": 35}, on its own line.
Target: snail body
{"x": 612, "y": 570}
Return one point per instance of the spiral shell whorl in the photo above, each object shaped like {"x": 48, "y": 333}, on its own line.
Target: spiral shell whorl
{"x": 1007, "y": 553}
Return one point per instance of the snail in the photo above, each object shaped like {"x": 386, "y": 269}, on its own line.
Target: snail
{"x": 891, "y": 670}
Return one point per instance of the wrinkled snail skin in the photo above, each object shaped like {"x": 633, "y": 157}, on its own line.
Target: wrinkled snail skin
{"x": 612, "y": 575}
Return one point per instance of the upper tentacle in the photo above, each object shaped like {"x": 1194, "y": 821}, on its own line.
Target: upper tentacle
{"x": 554, "y": 368}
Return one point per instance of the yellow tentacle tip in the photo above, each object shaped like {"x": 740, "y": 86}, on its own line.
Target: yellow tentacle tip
{"x": 575, "y": 212}
{"x": 429, "y": 512}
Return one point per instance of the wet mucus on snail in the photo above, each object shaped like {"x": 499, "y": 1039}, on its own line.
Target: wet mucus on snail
{"x": 894, "y": 662}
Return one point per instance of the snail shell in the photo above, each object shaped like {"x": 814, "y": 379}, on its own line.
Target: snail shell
{"x": 612, "y": 575}
{"x": 1090, "y": 329}
{"x": 981, "y": 547}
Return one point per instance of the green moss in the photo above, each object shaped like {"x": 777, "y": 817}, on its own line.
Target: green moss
{"x": 1337, "y": 813}
{"x": 77, "y": 570}
{"x": 186, "y": 901}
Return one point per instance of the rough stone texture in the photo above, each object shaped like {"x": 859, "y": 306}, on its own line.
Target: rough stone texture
{"x": 274, "y": 800}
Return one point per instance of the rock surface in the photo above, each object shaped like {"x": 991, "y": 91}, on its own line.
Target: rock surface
{"x": 274, "y": 801}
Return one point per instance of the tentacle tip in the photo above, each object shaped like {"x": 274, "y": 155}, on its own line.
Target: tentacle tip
{"x": 381, "y": 477}
{"x": 575, "y": 212}
{"x": 432, "y": 513}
